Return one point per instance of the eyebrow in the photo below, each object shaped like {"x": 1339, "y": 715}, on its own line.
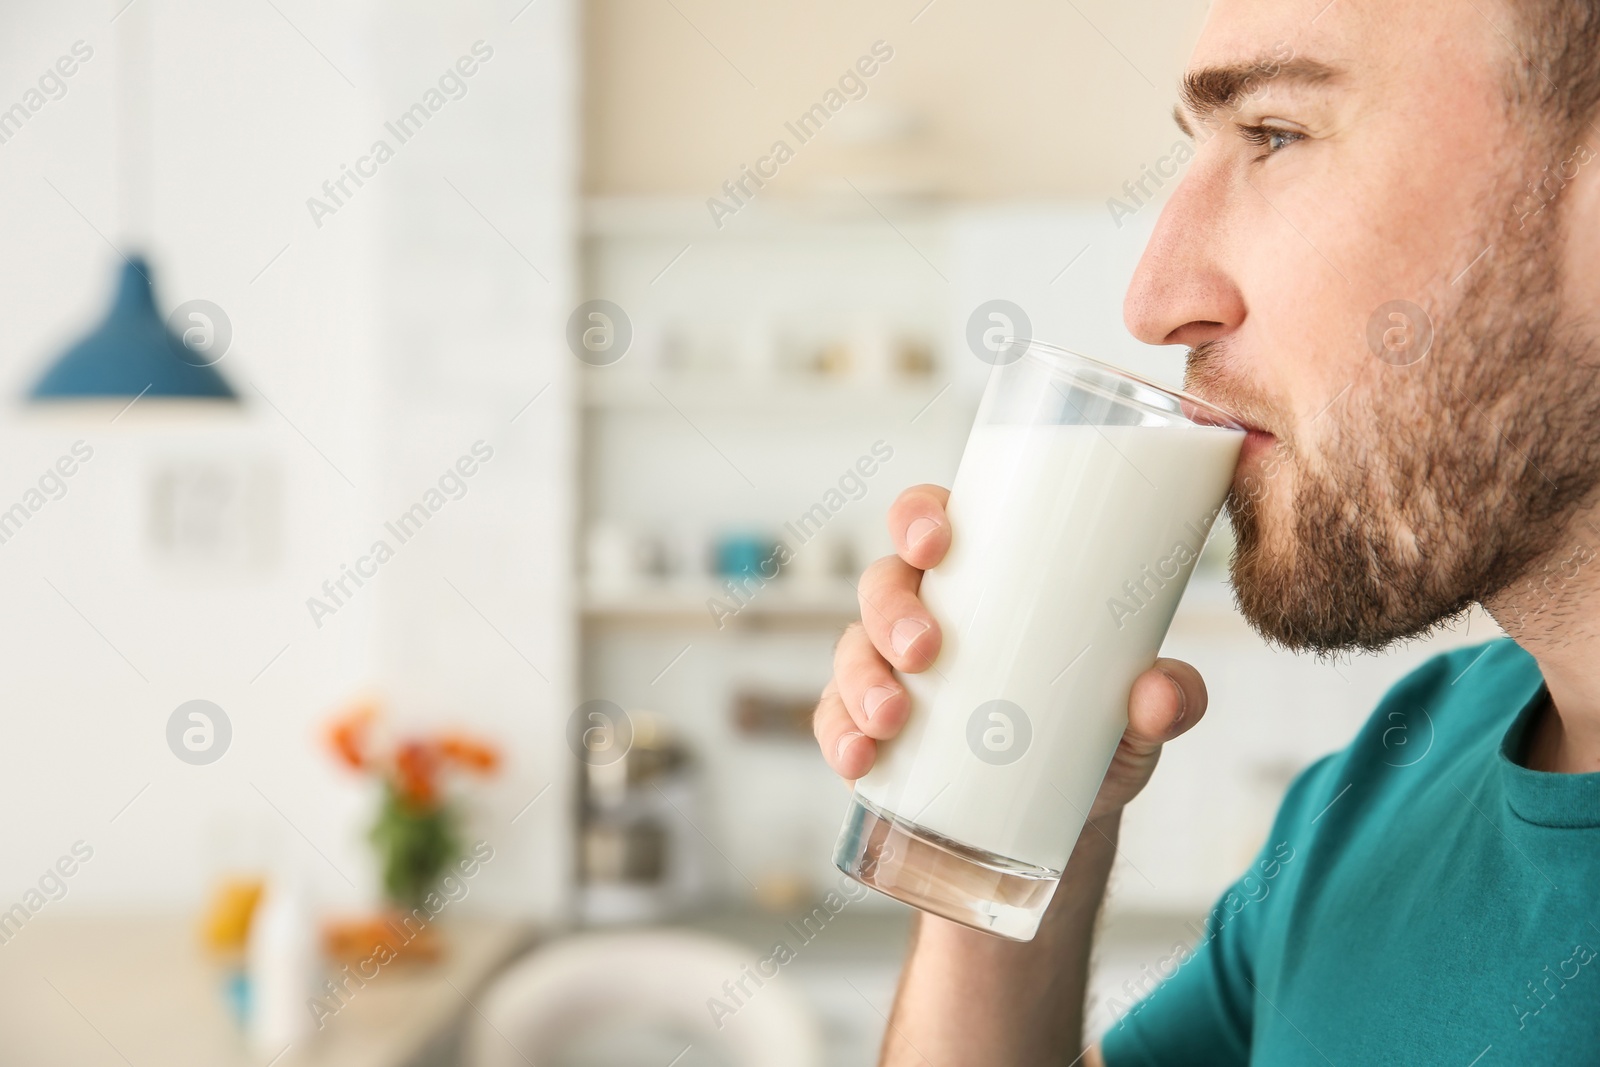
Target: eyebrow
{"x": 1211, "y": 89}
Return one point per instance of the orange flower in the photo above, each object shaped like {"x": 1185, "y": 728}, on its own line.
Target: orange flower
{"x": 347, "y": 734}
{"x": 413, "y": 766}
{"x": 468, "y": 752}
{"x": 416, "y": 765}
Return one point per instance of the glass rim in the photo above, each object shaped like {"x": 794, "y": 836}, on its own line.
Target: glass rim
{"x": 1187, "y": 403}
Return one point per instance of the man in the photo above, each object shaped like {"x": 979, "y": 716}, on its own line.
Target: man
{"x": 1386, "y": 259}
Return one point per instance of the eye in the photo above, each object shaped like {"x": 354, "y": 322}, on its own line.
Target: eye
{"x": 1271, "y": 138}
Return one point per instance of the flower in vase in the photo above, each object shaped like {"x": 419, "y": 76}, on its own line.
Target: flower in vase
{"x": 418, "y": 829}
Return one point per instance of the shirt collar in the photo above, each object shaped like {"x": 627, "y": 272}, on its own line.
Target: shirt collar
{"x": 1544, "y": 798}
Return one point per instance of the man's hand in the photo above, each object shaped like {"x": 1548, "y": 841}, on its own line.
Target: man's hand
{"x": 864, "y": 704}
{"x": 965, "y": 996}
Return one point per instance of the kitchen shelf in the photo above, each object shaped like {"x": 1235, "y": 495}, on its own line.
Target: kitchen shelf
{"x": 760, "y": 397}
{"x": 1208, "y": 601}
{"x": 686, "y": 606}
{"x": 837, "y": 212}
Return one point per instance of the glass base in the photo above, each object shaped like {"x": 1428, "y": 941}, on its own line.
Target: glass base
{"x": 955, "y": 881}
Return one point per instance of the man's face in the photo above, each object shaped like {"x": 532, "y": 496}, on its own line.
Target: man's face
{"x": 1375, "y": 158}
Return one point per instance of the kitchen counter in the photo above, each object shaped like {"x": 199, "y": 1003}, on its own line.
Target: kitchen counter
{"x": 120, "y": 991}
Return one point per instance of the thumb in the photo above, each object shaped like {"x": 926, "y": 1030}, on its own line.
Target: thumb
{"x": 1165, "y": 701}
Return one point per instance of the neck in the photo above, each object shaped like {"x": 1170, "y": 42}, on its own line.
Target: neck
{"x": 1553, "y": 612}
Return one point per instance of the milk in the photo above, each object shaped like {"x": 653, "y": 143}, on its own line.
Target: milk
{"x": 1070, "y": 547}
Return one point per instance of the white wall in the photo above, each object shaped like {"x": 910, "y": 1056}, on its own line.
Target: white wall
{"x": 388, "y": 340}
{"x": 1006, "y": 99}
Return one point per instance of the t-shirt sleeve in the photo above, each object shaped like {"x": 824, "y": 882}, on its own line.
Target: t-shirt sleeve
{"x": 1202, "y": 1015}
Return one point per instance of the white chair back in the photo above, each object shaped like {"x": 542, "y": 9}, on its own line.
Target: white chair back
{"x": 674, "y": 980}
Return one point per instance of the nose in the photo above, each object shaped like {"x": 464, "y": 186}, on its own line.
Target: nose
{"x": 1182, "y": 293}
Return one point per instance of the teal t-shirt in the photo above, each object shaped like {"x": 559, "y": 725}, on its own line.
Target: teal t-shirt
{"x": 1422, "y": 899}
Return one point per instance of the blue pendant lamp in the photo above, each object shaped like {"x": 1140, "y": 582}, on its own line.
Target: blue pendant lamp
{"x": 131, "y": 352}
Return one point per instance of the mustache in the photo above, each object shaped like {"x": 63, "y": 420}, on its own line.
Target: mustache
{"x": 1205, "y": 375}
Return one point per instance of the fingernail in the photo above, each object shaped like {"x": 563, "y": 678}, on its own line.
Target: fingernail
{"x": 917, "y": 531}
{"x": 1183, "y": 698}
{"x": 874, "y": 698}
{"x": 845, "y": 742}
{"x": 905, "y": 634}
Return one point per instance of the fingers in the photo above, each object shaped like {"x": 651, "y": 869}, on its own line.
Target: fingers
{"x": 1165, "y": 701}
{"x": 900, "y": 627}
{"x": 848, "y": 751}
{"x": 919, "y": 526}
{"x": 876, "y": 702}
{"x": 864, "y": 702}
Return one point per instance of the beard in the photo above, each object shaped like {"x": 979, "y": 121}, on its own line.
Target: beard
{"x": 1436, "y": 485}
